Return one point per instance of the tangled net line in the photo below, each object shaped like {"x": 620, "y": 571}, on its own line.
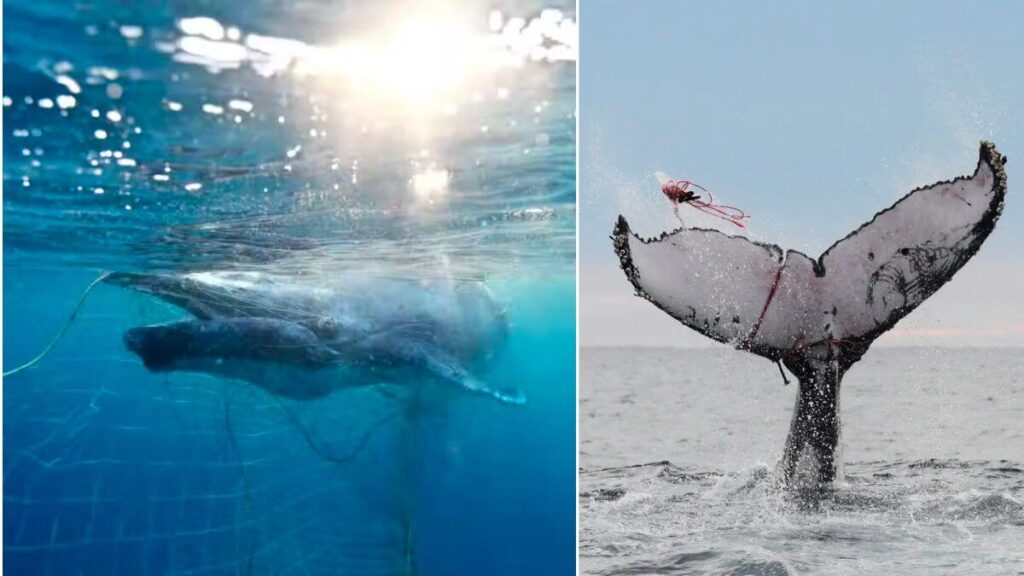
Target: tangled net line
{"x": 683, "y": 192}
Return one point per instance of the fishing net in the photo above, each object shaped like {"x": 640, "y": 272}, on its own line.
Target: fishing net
{"x": 111, "y": 470}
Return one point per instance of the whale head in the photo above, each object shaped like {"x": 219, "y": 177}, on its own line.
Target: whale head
{"x": 180, "y": 345}
{"x": 161, "y": 347}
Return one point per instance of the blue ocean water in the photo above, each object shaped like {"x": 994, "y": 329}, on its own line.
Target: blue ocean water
{"x": 320, "y": 137}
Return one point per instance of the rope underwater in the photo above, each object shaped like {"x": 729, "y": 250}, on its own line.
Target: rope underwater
{"x": 71, "y": 319}
{"x": 360, "y": 443}
{"x": 245, "y": 478}
{"x": 680, "y": 192}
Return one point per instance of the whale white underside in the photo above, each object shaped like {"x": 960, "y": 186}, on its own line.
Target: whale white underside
{"x": 861, "y": 286}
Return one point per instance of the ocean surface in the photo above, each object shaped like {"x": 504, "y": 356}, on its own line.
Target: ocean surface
{"x": 678, "y": 446}
{"x": 319, "y": 138}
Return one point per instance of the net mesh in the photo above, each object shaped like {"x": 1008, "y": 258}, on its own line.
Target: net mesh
{"x": 111, "y": 470}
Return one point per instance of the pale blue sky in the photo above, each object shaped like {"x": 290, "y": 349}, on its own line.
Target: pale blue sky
{"x": 811, "y": 117}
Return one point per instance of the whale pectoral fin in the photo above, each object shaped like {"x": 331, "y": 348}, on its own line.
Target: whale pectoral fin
{"x": 449, "y": 371}
{"x": 470, "y": 383}
{"x": 213, "y": 295}
{"x": 175, "y": 290}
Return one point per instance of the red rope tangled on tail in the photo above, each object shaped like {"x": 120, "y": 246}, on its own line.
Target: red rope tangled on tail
{"x": 683, "y": 191}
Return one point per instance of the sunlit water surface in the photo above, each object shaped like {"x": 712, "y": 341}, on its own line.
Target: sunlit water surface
{"x": 414, "y": 140}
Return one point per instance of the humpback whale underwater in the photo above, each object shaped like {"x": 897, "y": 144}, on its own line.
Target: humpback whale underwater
{"x": 303, "y": 342}
{"x": 817, "y": 316}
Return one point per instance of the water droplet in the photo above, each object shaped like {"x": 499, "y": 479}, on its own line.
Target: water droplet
{"x": 69, "y": 83}
{"x": 202, "y": 26}
{"x": 240, "y": 105}
{"x": 131, "y": 32}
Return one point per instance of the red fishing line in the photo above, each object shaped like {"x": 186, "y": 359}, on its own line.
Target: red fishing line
{"x": 684, "y": 191}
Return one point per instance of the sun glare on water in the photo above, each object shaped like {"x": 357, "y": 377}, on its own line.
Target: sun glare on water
{"x": 405, "y": 73}
{"x": 422, "y": 63}
{"x": 430, "y": 185}
{"x": 425, "y": 61}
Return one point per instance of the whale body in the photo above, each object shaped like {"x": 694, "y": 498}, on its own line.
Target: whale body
{"x": 302, "y": 340}
{"x": 818, "y": 316}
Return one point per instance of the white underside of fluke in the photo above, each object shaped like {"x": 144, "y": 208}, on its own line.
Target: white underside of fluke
{"x": 754, "y": 295}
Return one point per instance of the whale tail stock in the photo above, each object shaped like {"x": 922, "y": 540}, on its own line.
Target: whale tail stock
{"x": 817, "y": 316}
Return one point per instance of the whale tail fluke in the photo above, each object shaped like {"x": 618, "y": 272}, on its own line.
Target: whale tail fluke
{"x": 784, "y": 305}
{"x": 818, "y": 316}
